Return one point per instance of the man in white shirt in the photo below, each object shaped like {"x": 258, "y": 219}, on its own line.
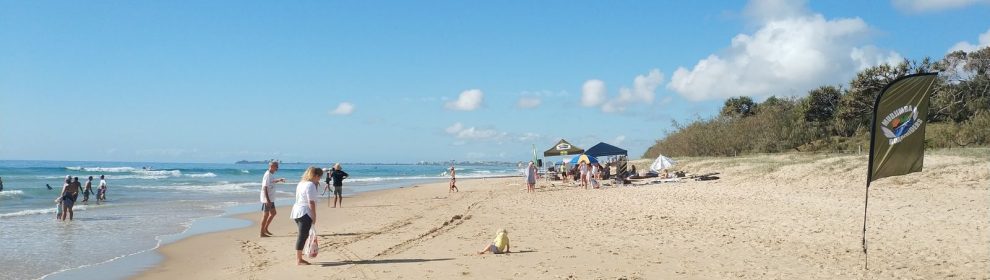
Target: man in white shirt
{"x": 267, "y": 197}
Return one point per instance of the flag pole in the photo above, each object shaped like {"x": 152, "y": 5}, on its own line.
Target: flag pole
{"x": 866, "y": 203}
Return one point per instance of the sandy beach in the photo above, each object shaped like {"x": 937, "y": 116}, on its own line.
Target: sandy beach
{"x": 769, "y": 217}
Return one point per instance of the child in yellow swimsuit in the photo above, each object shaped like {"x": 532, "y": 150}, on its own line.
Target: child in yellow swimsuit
{"x": 498, "y": 246}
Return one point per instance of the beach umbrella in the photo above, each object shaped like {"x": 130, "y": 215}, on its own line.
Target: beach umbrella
{"x": 662, "y": 163}
{"x": 583, "y": 158}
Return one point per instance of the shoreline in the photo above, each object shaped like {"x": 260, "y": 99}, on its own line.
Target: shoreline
{"x": 233, "y": 217}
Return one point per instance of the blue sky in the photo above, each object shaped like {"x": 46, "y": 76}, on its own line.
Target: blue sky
{"x": 369, "y": 81}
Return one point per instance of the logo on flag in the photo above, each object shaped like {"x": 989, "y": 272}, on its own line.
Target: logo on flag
{"x": 900, "y": 123}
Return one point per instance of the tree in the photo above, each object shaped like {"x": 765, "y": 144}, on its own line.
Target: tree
{"x": 821, "y": 104}
{"x": 856, "y": 106}
{"x": 742, "y": 106}
{"x": 963, "y": 87}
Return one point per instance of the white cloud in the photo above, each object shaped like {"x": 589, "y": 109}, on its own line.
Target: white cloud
{"x": 469, "y": 100}
{"x": 643, "y": 91}
{"x": 984, "y": 41}
{"x": 619, "y": 139}
{"x": 473, "y": 133}
{"x": 593, "y": 93}
{"x": 477, "y": 133}
{"x": 467, "y": 134}
{"x": 792, "y": 51}
{"x": 453, "y": 129}
{"x": 529, "y": 102}
{"x": 868, "y": 56}
{"x": 343, "y": 109}
{"x": 920, "y": 6}
{"x": 528, "y": 136}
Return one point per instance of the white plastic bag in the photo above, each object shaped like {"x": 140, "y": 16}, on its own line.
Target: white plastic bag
{"x": 312, "y": 245}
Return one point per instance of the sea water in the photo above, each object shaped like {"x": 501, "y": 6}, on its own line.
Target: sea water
{"x": 148, "y": 203}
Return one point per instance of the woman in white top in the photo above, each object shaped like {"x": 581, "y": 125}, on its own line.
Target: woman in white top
{"x": 304, "y": 210}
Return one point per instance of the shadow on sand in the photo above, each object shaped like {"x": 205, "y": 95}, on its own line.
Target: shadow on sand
{"x": 523, "y": 251}
{"x": 331, "y": 264}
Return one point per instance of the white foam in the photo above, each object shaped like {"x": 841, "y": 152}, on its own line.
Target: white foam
{"x": 115, "y": 177}
{"x": 103, "y": 169}
{"x": 49, "y": 210}
{"x": 11, "y": 193}
{"x": 219, "y": 206}
{"x": 245, "y": 171}
{"x": 173, "y": 173}
{"x": 202, "y": 175}
{"x": 124, "y": 169}
{"x": 219, "y": 188}
{"x": 145, "y": 177}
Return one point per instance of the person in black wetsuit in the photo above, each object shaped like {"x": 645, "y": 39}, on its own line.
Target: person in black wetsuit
{"x": 338, "y": 176}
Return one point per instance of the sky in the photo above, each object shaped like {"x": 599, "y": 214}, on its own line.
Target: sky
{"x": 405, "y": 81}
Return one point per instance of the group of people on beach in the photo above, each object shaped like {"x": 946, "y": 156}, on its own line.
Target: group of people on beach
{"x": 585, "y": 174}
{"x": 304, "y": 209}
{"x": 66, "y": 199}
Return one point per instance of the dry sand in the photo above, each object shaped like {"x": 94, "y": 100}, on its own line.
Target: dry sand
{"x": 776, "y": 216}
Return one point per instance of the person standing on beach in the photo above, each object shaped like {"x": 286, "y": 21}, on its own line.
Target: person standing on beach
{"x": 88, "y": 189}
{"x": 101, "y": 194}
{"x": 338, "y": 176}
{"x": 304, "y": 210}
{"x": 584, "y": 174}
{"x": 1, "y": 184}
{"x": 267, "y": 192}
{"x": 67, "y": 198}
{"x": 531, "y": 173}
{"x": 453, "y": 180}
{"x": 75, "y": 182}
{"x": 329, "y": 179}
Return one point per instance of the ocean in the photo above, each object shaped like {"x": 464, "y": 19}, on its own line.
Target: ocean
{"x": 149, "y": 204}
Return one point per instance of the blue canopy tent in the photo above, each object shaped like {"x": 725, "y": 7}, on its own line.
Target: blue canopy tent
{"x": 604, "y": 149}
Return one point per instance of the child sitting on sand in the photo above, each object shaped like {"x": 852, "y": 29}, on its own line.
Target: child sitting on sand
{"x": 498, "y": 246}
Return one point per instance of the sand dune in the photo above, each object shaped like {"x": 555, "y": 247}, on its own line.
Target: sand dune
{"x": 774, "y": 216}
